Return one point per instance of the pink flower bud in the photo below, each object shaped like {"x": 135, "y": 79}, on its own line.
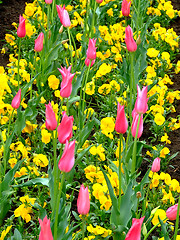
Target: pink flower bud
{"x": 91, "y": 51}
{"x": 16, "y": 100}
{"x": 172, "y": 212}
{"x": 48, "y": 1}
{"x": 99, "y": 1}
{"x": 129, "y": 40}
{"x": 87, "y": 62}
{"x": 83, "y": 201}
{"x": 156, "y": 165}
{"x": 39, "y": 43}
{"x": 135, "y": 230}
{"x": 121, "y": 124}
{"x": 21, "y": 31}
{"x": 141, "y": 102}
{"x": 65, "y": 128}
{"x": 66, "y": 84}
{"x": 125, "y": 8}
{"x": 45, "y": 233}
{"x": 51, "y": 122}
{"x": 135, "y": 123}
{"x": 66, "y": 162}
{"x": 63, "y": 16}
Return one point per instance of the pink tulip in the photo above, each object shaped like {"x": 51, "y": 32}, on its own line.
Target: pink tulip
{"x": 39, "y": 43}
{"x": 66, "y": 162}
{"x": 171, "y": 212}
{"x": 129, "y": 40}
{"x": 16, "y": 100}
{"x": 87, "y": 62}
{"x": 135, "y": 230}
{"x": 125, "y": 8}
{"x": 66, "y": 84}
{"x": 141, "y": 105}
{"x": 65, "y": 128}
{"x": 83, "y": 201}
{"x": 121, "y": 124}
{"x": 99, "y": 1}
{"x": 91, "y": 51}
{"x": 156, "y": 165}
{"x": 21, "y": 31}
{"x": 135, "y": 123}
{"x": 51, "y": 122}
{"x": 48, "y": 1}
{"x": 63, "y": 16}
{"x": 45, "y": 233}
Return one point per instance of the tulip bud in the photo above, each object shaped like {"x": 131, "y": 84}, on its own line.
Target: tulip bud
{"x": 83, "y": 201}
{"x": 121, "y": 124}
{"x": 66, "y": 162}
{"x": 51, "y": 122}
{"x": 125, "y": 8}
{"x": 129, "y": 40}
{"x": 141, "y": 102}
{"x": 138, "y": 195}
{"x": 48, "y": 1}
{"x": 39, "y": 43}
{"x": 156, "y": 165}
{"x": 49, "y": 34}
{"x": 99, "y": 1}
{"x": 21, "y": 31}
{"x": 63, "y": 16}
{"x": 61, "y": 29}
{"x": 171, "y": 212}
{"x": 91, "y": 51}
{"x": 135, "y": 123}
{"x": 16, "y": 100}
{"x": 138, "y": 41}
{"x": 45, "y": 233}
{"x": 135, "y": 230}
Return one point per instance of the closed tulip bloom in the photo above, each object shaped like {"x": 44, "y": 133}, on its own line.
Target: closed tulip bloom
{"x": 121, "y": 124}
{"x": 63, "y": 16}
{"x": 135, "y": 230}
{"x": 99, "y": 1}
{"x": 21, "y": 31}
{"x": 39, "y": 43}
{"x": 66, "y": 84}
{"x": 65, "y": 128}
{"x": 141, "y": 105}
{"x": 66, "y": 162}
{"x": 172, "y": 212}
{"x": 135, "y": 123}
{"x": 83, "y": 201}
{"x": 51, "y": 122}
{"x": 16, "y": 100}
{"x": 129, "y": 40}
{"x": 48, "y": 1}
{"x": 87, "y": 62}
{"x": 45, "y": 233}
{"x": 91, "y": 51}
{"x": 125, "y": 8}
{"x": 156, "y": 165}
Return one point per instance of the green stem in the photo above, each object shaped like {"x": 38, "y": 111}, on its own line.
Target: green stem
{"x": 145, "y": 200}
{"x": 19, "y": 52}
{"x": 33, "y": 72}
{"x": 43, "y": 14}
{"x": 131, "y": 85}
{"x": 83, "y": 226}
{"x": 69, "y": 35}
{"x": 74, "y": 48}
{"x": 177, "y": 220}
{"x": 152, "y": 229}
{"x": 10, "y": 122}
{"x": 120, "y": 171}
{"x": 57, "y": 206}
{"x": 133, "y": 167}
{"x": 53, "y": 9}
{"x": 84, "y": 91}
{"x": 93, "y": 20}
{"x": 87, "y": 15}
{"x": 139, "y": 4}
{"x": 48, "y": 18}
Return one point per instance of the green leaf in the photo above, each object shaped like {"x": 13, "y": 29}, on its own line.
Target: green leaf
{"x": 43, "y": 181}
{"x": 20, "y": 122}
{"x": 164, "y": 230}
{"x": 17, "y": 235}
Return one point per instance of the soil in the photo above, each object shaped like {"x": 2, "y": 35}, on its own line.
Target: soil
{"x": 9, "y": 13}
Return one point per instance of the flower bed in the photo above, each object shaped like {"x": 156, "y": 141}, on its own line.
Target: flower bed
{"x": 82, "y": 82}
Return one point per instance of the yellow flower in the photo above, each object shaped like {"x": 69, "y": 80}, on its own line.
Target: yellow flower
{"x": 46, "y": 136}
{"x": 152, "y": 52}
{"x": 40, "y": 160}
{"x": 23, "y": 211}
{"x": 110, "y": 12}
{"x": 29, "y": 9}
{"x": 22, "y": 172}
{"x": 30, "y": 29}
{"x": 53, "y": 82}
{"x": 103, "y": 70}
{"x": 90, "y": 88}
{"x": 107, "y": 126}
{"x": 164, "y": 152}
{"x": 29, "y": 127}
{"x": 89, "y": 112}
{"x": 104, "y": 89}
{"x": 159, "y": 119}
{"x": 12, "y": 162}
{"x": 10, "y": 39}
{"x": 162, "y": 215}
{"x": 170, "y": 13}
{"x": 165, "y": 139}
{"x": 115, "y": 86}
{"x": 5, "y": 232}
{"x": 78, "y": 36}
{"x": 26, "y": 199}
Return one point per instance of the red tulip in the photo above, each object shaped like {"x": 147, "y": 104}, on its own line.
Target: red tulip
{"x": 83, "y": 201}
{"x": 16, "y": 100}
{"x": 91, "y": 51}
{"x": 135, "y": 123}
{"x": 21, "y": 31}
{"x": 156, "y": 165}
{"x": 66, "y": 84}
{"x": 51, "y": 122}
{"x": 39, "y": 43}
{"x": 141, "y": 105}
{"x": 65, "y": 128}
{"x": 45, "y": 233}
{"x": 99, "y": 1}
{"x": 66, "y": 162}
{"x": 125, "y": 8}
{"x": 171, "y": 212}
{"x": 121, "y": 124}
{"x": 87, "y": 62}
{"x": 63, "y": 16}
{"x": 135, "y": 230}
{"x": 129, "y": 40}
{"x": 48, "y": 1}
